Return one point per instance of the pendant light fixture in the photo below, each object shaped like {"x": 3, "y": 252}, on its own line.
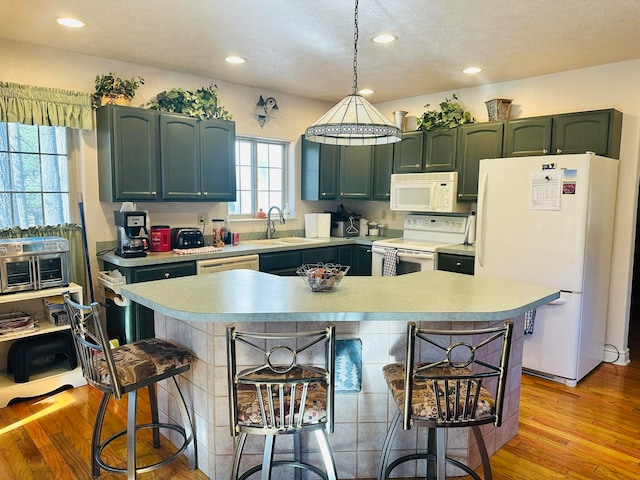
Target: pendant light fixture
{"x": 354, "y": 121}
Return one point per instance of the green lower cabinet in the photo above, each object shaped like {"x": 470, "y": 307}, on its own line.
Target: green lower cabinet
{"x": 361, "y": 260}
{"x": 450, "y": 262}
{"x": 476, "y": 141}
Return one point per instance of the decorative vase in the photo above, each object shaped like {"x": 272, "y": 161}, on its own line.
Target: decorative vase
{"x": 498, "y": 108}
{"x": 115, "y": 100}
{"x": 398, "y": 117}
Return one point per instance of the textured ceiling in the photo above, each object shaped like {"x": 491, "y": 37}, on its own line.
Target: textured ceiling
{"x": 305, "y": 47}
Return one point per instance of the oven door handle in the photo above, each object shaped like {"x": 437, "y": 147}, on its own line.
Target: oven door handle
{"x": 424, "y": 255}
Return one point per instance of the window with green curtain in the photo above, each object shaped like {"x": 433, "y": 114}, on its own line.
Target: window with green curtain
{"x": 33, "y": 105}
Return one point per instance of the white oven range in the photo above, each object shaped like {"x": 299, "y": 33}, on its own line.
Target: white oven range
{"x": 421, "y": 236}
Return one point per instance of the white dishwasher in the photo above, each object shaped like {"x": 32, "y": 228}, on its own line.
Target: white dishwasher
{"x": 212, "y": 265}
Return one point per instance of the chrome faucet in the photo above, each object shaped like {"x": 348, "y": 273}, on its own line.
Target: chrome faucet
{"x": 271, "y": 226}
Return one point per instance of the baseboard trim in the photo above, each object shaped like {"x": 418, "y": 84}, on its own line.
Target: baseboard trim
{"x": 615, "y": 356}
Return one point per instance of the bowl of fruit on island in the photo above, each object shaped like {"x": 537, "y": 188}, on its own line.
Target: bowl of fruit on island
{"x": 322, "y": 277}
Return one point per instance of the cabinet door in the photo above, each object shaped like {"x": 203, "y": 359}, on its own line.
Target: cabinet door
{"x": 180, "y": 158}
{"x": 218, "y": 158}
{"x": 527, "y": 136}
{"x": 440, "y": 150}
{"x": 319, "y": 170}
{"x": 362, "y": 260}
{"x": 322, "y": 254}
{"x": 407, "y": 154}
{"x": 475, "y": 142}
{"x": 382, "y": 169}
{"x": 280, "y": 263}
{"x": 356, "y": 171}
{"x": 456, "y": 263}
{"x": 595, "y": 131}
{"x": 127, "y": 140}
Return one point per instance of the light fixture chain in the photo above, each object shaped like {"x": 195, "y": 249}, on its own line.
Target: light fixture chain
{"x": 355, "y": 50}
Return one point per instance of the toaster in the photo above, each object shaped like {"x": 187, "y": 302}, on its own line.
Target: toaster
{"x": 186, "y": 238}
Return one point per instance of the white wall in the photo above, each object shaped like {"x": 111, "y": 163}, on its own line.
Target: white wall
{"x": 607, "y": 86}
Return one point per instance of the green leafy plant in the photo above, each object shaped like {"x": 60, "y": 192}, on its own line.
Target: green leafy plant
{"x": 112, "y": 87}
{"x": 451, "y": 114}
{"x": 201, "y": 103}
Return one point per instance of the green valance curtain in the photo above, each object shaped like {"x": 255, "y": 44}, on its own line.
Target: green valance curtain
{"x": 71, "y": 232}
{"x": 45, "y": 106}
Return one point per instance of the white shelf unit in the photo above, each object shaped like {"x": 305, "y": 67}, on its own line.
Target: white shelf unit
{"x": 47, "y": 379}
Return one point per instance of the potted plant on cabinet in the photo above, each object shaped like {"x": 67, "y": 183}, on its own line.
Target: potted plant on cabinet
{"x": 202, "y": 103}
{"x": 114, "y": 90}
{"x": 451, "y": 114}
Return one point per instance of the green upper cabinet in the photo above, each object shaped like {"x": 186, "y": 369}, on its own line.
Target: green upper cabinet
{"x": 382, "y": 169}
{"x": 440, "y": 150}
{"x": 356, "y": 172}
{"x": 527, "y": 136}
{"x": 475, "y": 142}
{"x": 319, "y": 170}
{"x": 197, "y": 159}
{"x": 597, "y": 131}
{"x": 147, "y": 155}
{"x": 128, "y": 162}
{"x": 407, "y": 154}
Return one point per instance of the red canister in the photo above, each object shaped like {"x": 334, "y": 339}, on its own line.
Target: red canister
{"x": 160, "y": 238}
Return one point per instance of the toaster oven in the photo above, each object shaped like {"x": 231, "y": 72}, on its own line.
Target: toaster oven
{"x": 33, "y": 263}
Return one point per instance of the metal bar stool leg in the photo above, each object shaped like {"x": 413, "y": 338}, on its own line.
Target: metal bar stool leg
{"x": 441, "y": 445}
{"x": 186, "y": 422}
{"x": 297, "y": 455}
{"x": 153, "y": 403}
{"x": 267, "y": 457}
{"x": 237, "y": 455}
{"x": 131, "y": 435}
{"x": 386, "y": 448}
{"x": 327, "y": 456}
{"x": 97, "y": 433}
{"x": 486, "y": 465}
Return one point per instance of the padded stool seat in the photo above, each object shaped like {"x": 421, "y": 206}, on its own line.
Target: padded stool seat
{"x": 23, "y": 352}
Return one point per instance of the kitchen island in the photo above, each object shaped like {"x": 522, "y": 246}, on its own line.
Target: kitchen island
{"x": 193, "y": 311}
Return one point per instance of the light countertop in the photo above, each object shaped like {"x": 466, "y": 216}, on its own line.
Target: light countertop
{"x": 247, "y": 296}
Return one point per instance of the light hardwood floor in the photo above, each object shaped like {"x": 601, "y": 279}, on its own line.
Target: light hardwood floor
{"x": 585, "y": 433}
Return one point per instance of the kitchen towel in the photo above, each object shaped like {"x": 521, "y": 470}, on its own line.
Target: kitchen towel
{"x": 311, "y": 225}
{"x": 390, "y": 262}
{"x": 324, "y": 225}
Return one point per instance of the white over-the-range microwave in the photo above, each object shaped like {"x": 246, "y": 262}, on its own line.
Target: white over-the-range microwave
{"x": 426, "y": 192}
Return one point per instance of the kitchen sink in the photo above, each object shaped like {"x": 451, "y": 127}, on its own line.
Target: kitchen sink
{"x": 278, "y": 242}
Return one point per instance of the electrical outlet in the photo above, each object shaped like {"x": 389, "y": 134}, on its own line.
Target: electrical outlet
{"x": 384, "y": 214}
{"x": 203, "y": 218}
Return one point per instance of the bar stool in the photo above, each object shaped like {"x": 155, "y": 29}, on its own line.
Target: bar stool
{"x": 453, "y": 388}
{"x": 125, "y": 370}
{"x": 285, "y": 387}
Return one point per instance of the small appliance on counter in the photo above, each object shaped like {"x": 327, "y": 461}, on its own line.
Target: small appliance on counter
{"x": 345, "y": 222}
{"x": 182, "y": 237}
{"x": 160, "y": 238}
{"x": 132, "y": 231}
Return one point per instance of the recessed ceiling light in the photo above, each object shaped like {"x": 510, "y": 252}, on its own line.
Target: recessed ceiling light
{"x": 472, "y": 70}
{"x": 384, "y": 38}
{"x": 233, "y": 59}
{"x": 365, "y": 91}
{"x": 71, "y": 22}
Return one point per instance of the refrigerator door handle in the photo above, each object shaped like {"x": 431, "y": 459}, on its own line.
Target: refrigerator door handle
{"x": 480, "y": 237}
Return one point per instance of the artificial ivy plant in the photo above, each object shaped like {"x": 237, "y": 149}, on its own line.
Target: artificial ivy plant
{"x": 113, "y": 87}
{"x": 201, "y": 103}
{"x": 451, "y": 114}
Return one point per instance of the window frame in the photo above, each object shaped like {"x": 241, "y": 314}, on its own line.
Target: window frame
{"x": 254, "y": 143}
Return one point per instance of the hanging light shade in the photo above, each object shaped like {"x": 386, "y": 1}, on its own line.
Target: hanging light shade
{"x": 354, "y": 121}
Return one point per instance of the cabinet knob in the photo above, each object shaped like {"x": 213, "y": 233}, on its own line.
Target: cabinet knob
{"x": 199, "y": 194}
{"x": 154, "y": 193}
{"x": 458, "y": 264}
{"x": 545, "y": 151}
{"x": 166, "y": 275}
{"x": 204, "y": 194}
{"x": 417, "y": 165}
{"x": 427, "y": 165}
{"x": 558, "y": 150}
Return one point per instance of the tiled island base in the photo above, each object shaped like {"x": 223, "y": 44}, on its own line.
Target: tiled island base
{"x": 361, "y": 419}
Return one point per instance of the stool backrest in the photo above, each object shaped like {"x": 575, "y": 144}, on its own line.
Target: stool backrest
{"x": 466, "y": 369}
{"x": 92, "y": 345}
{"x": 284, "y": 373}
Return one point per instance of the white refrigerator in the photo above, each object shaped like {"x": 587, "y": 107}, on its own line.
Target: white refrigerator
{"x": 548, "y": 220}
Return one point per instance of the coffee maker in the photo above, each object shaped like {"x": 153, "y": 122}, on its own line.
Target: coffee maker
{"x": 132, "y": 231}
